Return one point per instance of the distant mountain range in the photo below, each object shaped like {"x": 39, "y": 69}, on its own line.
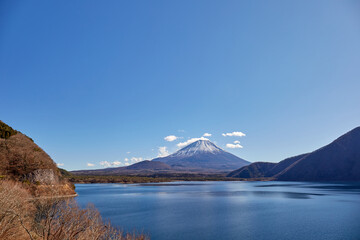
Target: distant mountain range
{"x": 22, "y": 160}
{"x": 338, "y": 161}
{"x": 200, "y": 156}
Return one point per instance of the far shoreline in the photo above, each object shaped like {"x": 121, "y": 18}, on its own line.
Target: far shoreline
{"x": 134, "y": 179}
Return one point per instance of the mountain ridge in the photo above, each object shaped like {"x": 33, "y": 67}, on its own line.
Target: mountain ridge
{"x": 337, "y": 161}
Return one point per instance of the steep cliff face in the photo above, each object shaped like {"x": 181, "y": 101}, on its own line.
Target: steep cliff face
{"x": 22, "y": 160}
{"x": 43, "y": 176}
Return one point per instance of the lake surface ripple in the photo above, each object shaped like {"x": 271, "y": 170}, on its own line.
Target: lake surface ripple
{"x": 230, "y": 210}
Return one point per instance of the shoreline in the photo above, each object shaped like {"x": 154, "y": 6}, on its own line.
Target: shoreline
{"x": 56, "y": 197}
{"x": 106, "y": 181}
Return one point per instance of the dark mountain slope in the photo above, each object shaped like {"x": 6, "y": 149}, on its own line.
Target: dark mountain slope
{"x": 338, "y": 161}
{"x": 264, "y": 169}
{"x": 284, "y": 164}
{"x": 151, "y": 165}
{"x": 254, "y": 170}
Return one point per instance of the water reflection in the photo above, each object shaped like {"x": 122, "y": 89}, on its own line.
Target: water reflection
{"x": 231, "y": 210}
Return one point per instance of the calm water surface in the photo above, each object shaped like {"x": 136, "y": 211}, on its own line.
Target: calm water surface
{"x": 230, "y": 210}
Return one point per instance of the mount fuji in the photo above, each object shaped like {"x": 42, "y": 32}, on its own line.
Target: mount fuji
{"x": 202, "y": 155}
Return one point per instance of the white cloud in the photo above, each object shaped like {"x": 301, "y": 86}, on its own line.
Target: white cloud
{"x": 170, "y": 138}
{"x": 105, "y": 164}
{"x": 128, "y": 152}
{"x": 237, "y": 142}
{"x": 116, "y": 163}
{"x": 90, "y": 164}
{"x": 230, "y": 145}
{"x": 126, "y": 162}
{"x": 135, "y": 159}
{"x": 60, "y": 164}
{"x": 163, "y": 152}
{"x": 184, "y": 144}
{"x": 110, "y": 164}
{"x": 207, "y": 135}
{"x": 234, "y": 134}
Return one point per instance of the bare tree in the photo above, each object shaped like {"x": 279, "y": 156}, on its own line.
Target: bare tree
{"x": 52, "y": 218}
{"x": 14, "y": 211}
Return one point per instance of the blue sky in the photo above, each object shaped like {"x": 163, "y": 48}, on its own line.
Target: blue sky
{"x": 101, "y": 81}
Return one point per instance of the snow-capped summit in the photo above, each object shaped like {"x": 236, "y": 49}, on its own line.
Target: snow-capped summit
{"x": 197, "y": 147}
{"x": 203, "y": 155}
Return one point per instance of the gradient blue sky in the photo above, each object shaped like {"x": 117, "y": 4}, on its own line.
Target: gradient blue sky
{"x": 91, "y": 81}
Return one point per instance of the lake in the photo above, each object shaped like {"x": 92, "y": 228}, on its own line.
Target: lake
{"x": 230, "y": 210}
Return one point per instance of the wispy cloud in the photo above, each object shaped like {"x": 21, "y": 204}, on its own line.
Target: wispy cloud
{"x": 170, "y": 138}
{"x": 235, "y": 145}
{"x": 90, "y": 164}
{"x": 60, "y": 164}
{"x": 207, "y": 135}
{"x": 163, "y": 152}
{"x": 116, "y": 163}
{"x": 234, "y": 134}
{"x": 110, "y": 164}
{"x": 184, "y": 144}
{"x": 127, "y": 161}
{"x": 136, "y": 159}
{"x": 105, "y": 164}
{"x": 230, "y": 145}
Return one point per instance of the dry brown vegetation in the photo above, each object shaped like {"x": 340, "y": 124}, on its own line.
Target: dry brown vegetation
{"x": 30, "y": 207}
{"x": 19, "y": 155}
{"x": 14, "y": 210}
{"x": 51, "y": 218}
{"x": 23, "y": 161}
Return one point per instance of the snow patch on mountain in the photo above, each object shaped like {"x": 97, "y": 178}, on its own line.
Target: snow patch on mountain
{"x": 201, "y": 146}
